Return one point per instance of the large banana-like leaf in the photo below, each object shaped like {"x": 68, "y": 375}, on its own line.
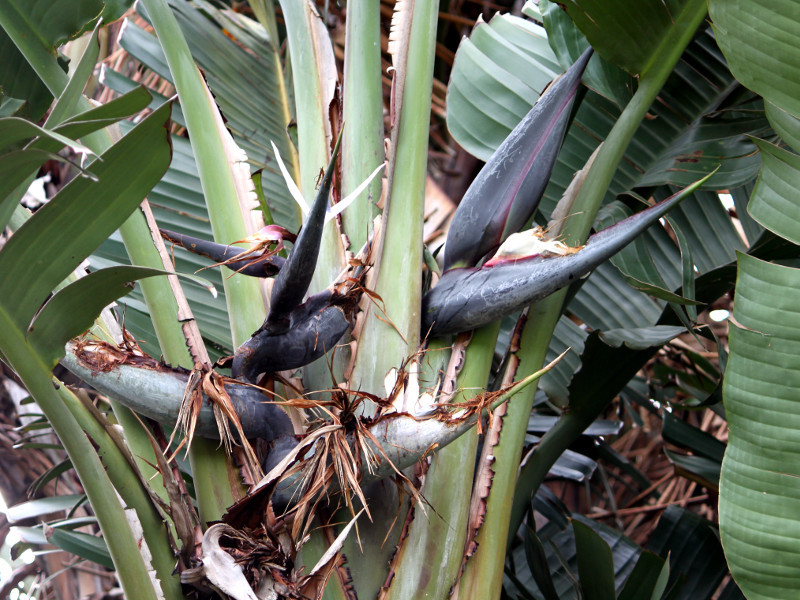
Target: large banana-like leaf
{"x": 699, "y": 123}
{"x": 758, "y": 38}
{"x": 499, "y": 73}
{"x": 625, "y": 32}
{"x": 759, "y": 491}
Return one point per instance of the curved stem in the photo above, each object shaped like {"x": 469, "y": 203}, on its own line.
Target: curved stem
{"x": 121, "y": 543}
{"x": 484, "y": 571}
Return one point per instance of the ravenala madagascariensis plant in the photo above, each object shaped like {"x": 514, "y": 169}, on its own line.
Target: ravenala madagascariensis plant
{"x": 356, "y": 456}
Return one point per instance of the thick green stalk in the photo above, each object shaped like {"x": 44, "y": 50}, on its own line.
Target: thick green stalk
{"x": 264, "y": 11}
{"x": 391, "y": 335}
{"x": 132, "y": 492}
{"x": 245, "y": 303}
{"x": 484, "y": 573}
{"x": 432, "y": 554}
{"x": 387, "y": 339}
{"x": 314, "y": 77}
{"x": 362, "y": 140}
{"x": 121, "y": 543}
{"x": 246, "y": 309}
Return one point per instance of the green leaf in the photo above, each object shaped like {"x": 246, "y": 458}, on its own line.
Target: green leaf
{"x": 554, "y": 382}
{"x": 14, "y": 130}
{"x": 696, "y": 468}
{"x": 20, "y": 82}
{"x": 498, "y": 74}
{"x": 65, "y": 104}
{"x": 774, "y": 202}
{"x": 9, "y": 106}
{"x": 642, "y": 338}
{"x": 758, "y": 39}
{"x": 710, "y": 234}
{"x": 114, "y": 9}
{"x": 606, "y": 301}
{"x": 55, "y": 21}
{"x": 687, "y": 436}
{"x": 122, "y": 85}
{"x": 649, "y": 576}
{"x": 697, "y": 564}
{"x": 30, "y": 536}
{"x": 50, "y": 245}
{"x": 72, "y": 310}
{"x": 560, "y": 549}
{"x": 51, "y": 473}
{"x": 785, "y": 124}
{"x": 595, "y": 564}
{"x": 16, "y": 168}
{"x": 537, "y": 562}
{"x": 605, "y": 371}
{"x": 43, "y": 25}
{"x": 83, "y": 545}
{"x": 73, "y": 522}
{"x": 568, "y": 43}
{"x": 687, "y": 264}
{"x": 760, "y": 481}
{"x": 106, "y": 114}
{"x": 34, "y": 509}
{"x": 625, "y": 32}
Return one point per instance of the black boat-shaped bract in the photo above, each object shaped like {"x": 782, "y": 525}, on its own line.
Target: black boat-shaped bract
{"x": 467, "y": 298}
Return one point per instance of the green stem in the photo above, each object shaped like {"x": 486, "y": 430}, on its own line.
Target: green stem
{"x": 431, "y": 556}
{"x": 132, "y": 491}
{"x": 121, "y": 543}
{"x": 246, "y": 311}
{"x": 313, "y": 75}
{"x": 388, "y": 339}
{"x": 362, "y": 140}
{"x": 245, "y": 303}
{"x": 484, "y": 572}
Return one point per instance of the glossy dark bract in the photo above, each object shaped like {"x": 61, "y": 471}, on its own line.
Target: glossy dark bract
{"x": 467, "y": 298}
{"x": 507, "y": 191}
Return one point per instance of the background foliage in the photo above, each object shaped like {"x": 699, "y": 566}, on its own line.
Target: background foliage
{"x": 629, "y": 507}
